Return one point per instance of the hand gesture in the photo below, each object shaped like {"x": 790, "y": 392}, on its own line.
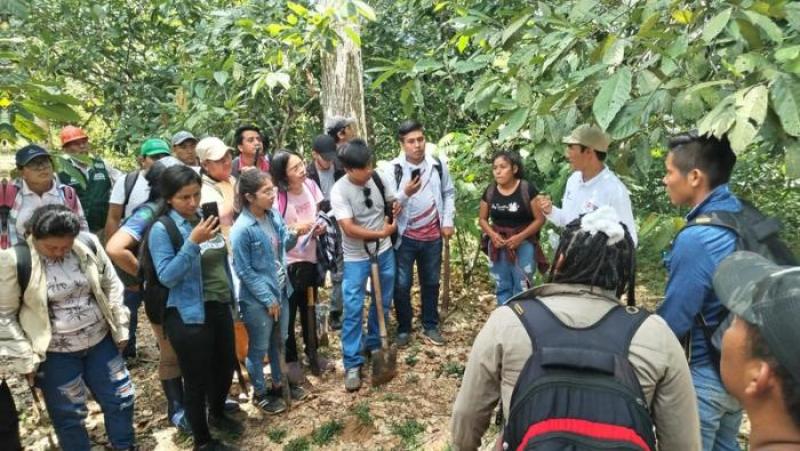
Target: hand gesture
{"x": 413, "y": 186}
{"x": 396, "y": 209}
{"x": 275, "y": 311}
{"x": 389, "y": 228}
{"x": 301, "y": 228}
{"x": 514, "y": 241}
{"x": 448, "y": 232}
{"x": 319, "y": 230}
{"x": 205, "y": 230}
{"x": 497, "y": 241}
{"x": 545, "y": 204}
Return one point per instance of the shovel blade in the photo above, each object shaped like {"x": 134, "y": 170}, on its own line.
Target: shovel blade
{"x": 384, "y": 366}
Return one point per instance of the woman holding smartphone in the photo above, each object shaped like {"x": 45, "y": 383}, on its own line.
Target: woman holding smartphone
{"x": 197, "y": 320}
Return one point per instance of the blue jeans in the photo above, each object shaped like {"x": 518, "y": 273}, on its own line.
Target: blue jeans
{"x": 132, "y": 300}
{"x": 512, "y": 278}
{"x": 66, "y": 379}
{"x": 428, "y": 255}
{"x": 261, "y": 341}
{"x": 720, "y": 413}
{"x": 353, "y": 288}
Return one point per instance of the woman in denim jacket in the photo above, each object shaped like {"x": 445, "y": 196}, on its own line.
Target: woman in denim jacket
{"x": 198, "y": 318}
{"x": 260, "y": 239}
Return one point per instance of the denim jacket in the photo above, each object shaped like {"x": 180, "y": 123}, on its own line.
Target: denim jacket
{"x": 254, "y": 261}
{"x": 181, "y": 272}
{"x": 691, "y": 263}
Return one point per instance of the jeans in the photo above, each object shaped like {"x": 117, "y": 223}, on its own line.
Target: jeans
{"x": 302, "y": 275}
{"x": 428, "y": 256}
{"x": 353, "y": 287}
{"x": 262, "y": 340}
{"x": 132, "y": 300}
{"x": 207, "y": 356}
{"x": 720, "y": 413}
{"x": 66, "y": 379}
{"x": 511, "y": 278}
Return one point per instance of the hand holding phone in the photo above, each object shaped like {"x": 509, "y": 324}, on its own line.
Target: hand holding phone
{"x": 416, "y": 173}
{"x": 209, "y": 209}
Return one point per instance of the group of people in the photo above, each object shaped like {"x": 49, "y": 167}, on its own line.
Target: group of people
{"x": 204, "y": 239}
{"x": 723, "y": 338}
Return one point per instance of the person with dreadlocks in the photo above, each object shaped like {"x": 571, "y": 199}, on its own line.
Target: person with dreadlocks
{"x": 593, "y": 267}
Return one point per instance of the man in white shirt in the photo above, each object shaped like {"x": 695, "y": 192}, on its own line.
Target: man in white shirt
{"x": 592, "y": 185}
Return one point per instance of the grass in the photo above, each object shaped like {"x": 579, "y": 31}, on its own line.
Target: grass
{"x": 277, "y": 434}
{"x": 363, "y": 414}
{"x": 412, "y": 358}
{"x": 325, "y": 434}
{"x": 453, "y": 369}
{"x": 408, "y": 431}
{"x": 298, "y": 444}
{"x": 394, "y": 397}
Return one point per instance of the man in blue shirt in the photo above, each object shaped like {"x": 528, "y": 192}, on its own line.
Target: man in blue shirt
{"x": 697, "y": 172}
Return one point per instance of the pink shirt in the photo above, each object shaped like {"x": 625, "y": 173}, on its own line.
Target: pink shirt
{"x": 303, "y": 208}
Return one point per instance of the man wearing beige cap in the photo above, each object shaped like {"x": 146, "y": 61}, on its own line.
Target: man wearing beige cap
{"x": 592, "y": 185}
{"x": 218, "y": 184}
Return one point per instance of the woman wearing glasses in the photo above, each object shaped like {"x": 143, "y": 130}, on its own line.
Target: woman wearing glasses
{"x": 297, "y": 198}
{"x": 260, "y": 238}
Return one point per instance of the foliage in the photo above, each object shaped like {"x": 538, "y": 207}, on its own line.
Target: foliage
{"x": 327, "y": 432}
{"x": 298, "y": 444}
{"x": 362, "y": 413}
{"x": 277, "y": 435}
{"x": 408, "y": 431}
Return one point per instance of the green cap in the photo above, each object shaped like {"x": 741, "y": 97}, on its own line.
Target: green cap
{"x": 589, "y": 136}
{"x": 154, "y": 146}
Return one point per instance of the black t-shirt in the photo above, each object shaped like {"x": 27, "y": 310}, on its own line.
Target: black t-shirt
{"x": 509, "y": 211}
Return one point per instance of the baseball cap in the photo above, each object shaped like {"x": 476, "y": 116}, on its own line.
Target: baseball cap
{"x": 767, "y": 296}
{"x": 181, "y": 136}
{"x": 211, "y": 148}
{"x": 325, "y": 146}
{"x": 154, "y": 146}
{"x": 28, "y": 153}
{"x": 589, "y": 136}
{"x": 335, "y": 124}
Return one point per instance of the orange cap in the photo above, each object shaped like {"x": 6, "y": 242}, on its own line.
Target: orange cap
{"x": 71, "y": 133}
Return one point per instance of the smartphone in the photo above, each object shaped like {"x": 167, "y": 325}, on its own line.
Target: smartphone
{"x": 416, "y": 173}
{"x": 209, "y": 209}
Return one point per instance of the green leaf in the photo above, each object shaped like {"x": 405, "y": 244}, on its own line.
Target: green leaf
{"x": 793, "y": 160}
{"x": 719, "y": 120}
{"x": 715, "y": 26}
{"x": 427, "y": 65}
{"x": 543, "y": 156}
{"x": 615, "y": 53}
{"x": 61, "y": 113}
{"x": 515, "y": 122}
{"x": 582, "y": 11}
{"x": 688, "y": 107}
{"x": 683, "y": 16}
{"x": 365, "y": 10}
{"x": 793, "y": 15}
{"x": 751, "y": 109}
{"x": 463, "y": 42}
{"x": 29, "y": 129}
{"x": 613, "y": 94}
{"x": 353, "y": 35}
{"x": 297, "y": 8}
{"x": 785, "y": 96}
{"x": 275, "y": 78}
{"x": 221, "y": 77}
{"x": 766, "y": 24}
{"x": 512, "y": 29}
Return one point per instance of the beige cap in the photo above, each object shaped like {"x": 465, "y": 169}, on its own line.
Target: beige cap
{"x": 211, "y": 148}
{"x": 589, "y": 136}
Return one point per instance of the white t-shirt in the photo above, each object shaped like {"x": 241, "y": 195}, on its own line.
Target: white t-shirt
{"x": 139, "y": 193}
{"x": 584, "y": 197}
{"x": 349, "y": 202}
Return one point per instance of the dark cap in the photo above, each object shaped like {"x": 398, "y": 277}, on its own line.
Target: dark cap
{"x": 182, "y": 136}
{"x": 325, "y": 146}
{"x": 767, "y": 296}
{"x": 335, "y": 124}
{"x": 28, "y": 153}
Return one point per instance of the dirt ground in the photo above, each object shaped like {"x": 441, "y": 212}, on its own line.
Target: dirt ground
{"x": 410, "y": 412}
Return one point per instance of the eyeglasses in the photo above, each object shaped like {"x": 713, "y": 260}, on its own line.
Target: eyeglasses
{"x": 39, "y": 164}
{"x": 271, "y": 192}
{"x": 367, "y": 199}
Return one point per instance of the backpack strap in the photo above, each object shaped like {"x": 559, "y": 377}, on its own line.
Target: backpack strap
{"x": 174, "y": 234}
{"x": 23, "y": 254}
{"x": 526, "y": 196}
{"x": 398, "y": 174}
{"x": 283, "y": 199}
{"x": 130, "y": 182}
{"x": 591, "y": 347}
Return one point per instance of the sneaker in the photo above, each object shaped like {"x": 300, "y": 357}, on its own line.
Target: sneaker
{"x": 297, "y": 392}
{"x": 225, "y": 423}
{"x": 216, "y": 445}
{"x": 181, "y": 421}
{"x": 336, "y": 320}
{"x": 231, "y": 405}
{"x": 433, "y": 337}
{"x": 402, "y": 340}
{"x": 352, "y": 379}
{"x": 269, "y": 404}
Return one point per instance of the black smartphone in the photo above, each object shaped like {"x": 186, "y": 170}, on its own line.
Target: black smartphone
{"x": 209, "y": 209}
{"x": 416, "y": 173}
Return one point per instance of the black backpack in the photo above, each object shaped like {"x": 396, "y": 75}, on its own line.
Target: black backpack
{"x": 578, "y": 391}
{"x": 23, "y": 253}
{"x": 130, "y": 182}
{"x": 755, "y": 232}
{"x": 153, "y": 292}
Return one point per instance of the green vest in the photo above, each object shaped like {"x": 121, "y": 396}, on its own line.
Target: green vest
{"x": 93, "y": 190}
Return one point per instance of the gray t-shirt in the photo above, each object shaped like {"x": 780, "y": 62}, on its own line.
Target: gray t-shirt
{"x": 349, "y": 202}
{"x": 326, "y": 181}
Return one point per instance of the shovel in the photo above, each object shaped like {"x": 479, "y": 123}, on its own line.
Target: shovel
{"x": 384, "y": 359}
{"x": 446, "y": 277}
{"x": 312, "y": 324}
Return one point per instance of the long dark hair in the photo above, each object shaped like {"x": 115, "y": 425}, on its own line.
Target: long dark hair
{"x": 54, "y": 220}
{"x": 279, "y": 166}
{"x": 172, "y": 180}
{"x": 250, "y": 181}
{"x": 589, "y": 260}
{"x": 514, "y": 159}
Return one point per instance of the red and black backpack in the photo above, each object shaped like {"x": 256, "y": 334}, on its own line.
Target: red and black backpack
{"x": 578, "y": 391}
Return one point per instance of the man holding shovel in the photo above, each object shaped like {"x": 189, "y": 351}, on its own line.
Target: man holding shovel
{"x": 359, "y": 202}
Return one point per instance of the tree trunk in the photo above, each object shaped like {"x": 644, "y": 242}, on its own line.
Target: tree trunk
{"x": 343, "y": 75}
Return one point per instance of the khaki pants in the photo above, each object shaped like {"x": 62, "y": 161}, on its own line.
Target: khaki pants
{"x": 168, "y": 361}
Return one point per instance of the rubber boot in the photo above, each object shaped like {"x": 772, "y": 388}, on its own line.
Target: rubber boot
{"x": 173, "y": 389}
